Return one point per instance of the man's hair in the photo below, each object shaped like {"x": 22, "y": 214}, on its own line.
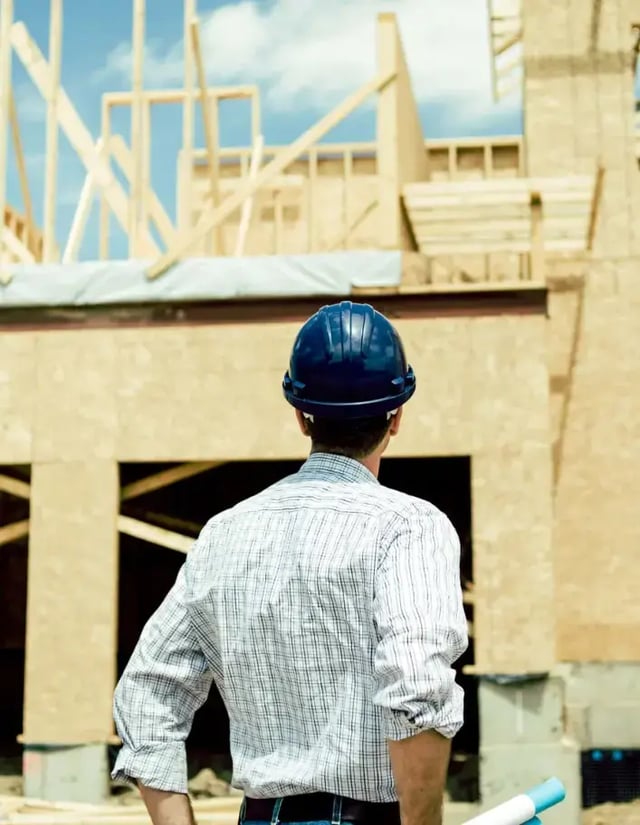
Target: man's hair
{"x": 354, "y": 438}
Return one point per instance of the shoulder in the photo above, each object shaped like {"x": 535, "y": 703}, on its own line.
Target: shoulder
{"x": 413, "y": 516}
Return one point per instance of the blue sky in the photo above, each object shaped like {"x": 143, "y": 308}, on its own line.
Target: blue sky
{"x": 305, "y": 55}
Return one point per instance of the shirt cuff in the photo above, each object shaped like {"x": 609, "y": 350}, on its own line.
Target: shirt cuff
{"x": 161, "y": 766}
{"x": 445, "y": 720}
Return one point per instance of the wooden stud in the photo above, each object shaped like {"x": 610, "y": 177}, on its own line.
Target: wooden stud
{"x": 15, "y": 487}
{"x": 209, "y": 220}
{"x": 211, "y": 136}
{"x": 22, "y": 167}
{"x": 347, "y": 184}
{"x": 247, "y": 206}
{"x": 136, "y": 218}
{"x": 256, "y": 122}
{"x": 6, "y": 21}
{"x": 277, "y": 222}
{"x": 188, "y": 117}
{"x": 155, "y": 535}
{"x": 49, "y": 252}
{"x": 166, "y": 477}
{"x": 105, "y": 212}
{"x": 14, "y": 532}
{"x": 312, "y": 175}
{"x": 81, "y": 214}
{"x": 180, "y": 95}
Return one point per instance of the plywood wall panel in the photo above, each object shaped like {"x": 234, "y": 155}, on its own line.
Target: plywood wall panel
{"x": 72, "y": 602}
{"x": 18, "y": 395}
{"x": 77, "y": 377}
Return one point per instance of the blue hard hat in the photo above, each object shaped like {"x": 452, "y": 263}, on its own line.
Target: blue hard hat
{"x": 348, "y": 362}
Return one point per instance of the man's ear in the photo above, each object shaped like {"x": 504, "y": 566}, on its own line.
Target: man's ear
{"x": 302, "y": 423}
{"x": 395, "y": 423}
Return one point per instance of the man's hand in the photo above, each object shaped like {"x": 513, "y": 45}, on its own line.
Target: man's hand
{"x": 420, "y": 770}
{"x": 166, "y": 808}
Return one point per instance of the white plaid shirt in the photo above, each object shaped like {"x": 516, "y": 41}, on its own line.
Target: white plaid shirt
{"x": 328, "y": 611}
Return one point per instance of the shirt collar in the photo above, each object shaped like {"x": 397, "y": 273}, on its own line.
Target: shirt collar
{"x": 336, "y": 467}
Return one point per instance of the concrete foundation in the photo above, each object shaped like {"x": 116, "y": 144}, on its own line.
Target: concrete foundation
{"x": 532, "y": 730}
{"x": 66, "y": 773}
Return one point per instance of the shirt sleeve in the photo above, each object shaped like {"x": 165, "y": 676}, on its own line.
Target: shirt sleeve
{"x": 165, "y": 682}
{"x": 422, "y": 629}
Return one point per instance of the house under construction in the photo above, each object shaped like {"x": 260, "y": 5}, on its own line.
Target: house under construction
{"x": 511, "y": 269}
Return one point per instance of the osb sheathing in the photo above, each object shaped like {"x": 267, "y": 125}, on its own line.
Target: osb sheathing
{"x": 80, "y": 401}
{"x": 597, "y": 530}
{"x": 72, "y": 601}
{"x": 579, "y": 110}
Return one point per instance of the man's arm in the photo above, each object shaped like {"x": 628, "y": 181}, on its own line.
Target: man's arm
{"x": 165, "y": 682}
{"x": 422, "y": 631}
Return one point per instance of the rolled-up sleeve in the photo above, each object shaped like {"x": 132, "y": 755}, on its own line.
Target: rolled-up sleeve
{"x": 165, "y": 682}
{"x": 421, "y": 626}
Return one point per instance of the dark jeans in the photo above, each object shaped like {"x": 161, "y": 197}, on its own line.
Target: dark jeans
{"x": 317, "y": 809}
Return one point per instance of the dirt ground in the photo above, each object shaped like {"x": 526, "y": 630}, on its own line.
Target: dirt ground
{"x": 628, "y": 814}
{"x": 207, "y": 784}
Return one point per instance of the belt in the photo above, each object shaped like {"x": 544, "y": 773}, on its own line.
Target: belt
{"x": 315, "y": 807}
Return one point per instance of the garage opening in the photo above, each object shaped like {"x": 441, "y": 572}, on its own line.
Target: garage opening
{"x": 14, "y": 543}
{"x": 184, "y": 504}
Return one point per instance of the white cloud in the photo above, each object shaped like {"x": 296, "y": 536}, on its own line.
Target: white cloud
{"x": 310, "y": 54}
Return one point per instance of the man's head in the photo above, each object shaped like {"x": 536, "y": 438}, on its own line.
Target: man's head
{"x": 348, "y": 379}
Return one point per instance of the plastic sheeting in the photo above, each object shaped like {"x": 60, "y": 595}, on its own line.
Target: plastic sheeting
{"x": 200, "y": 279}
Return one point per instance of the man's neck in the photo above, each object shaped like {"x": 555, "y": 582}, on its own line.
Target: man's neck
{"x": 371, "y": 462}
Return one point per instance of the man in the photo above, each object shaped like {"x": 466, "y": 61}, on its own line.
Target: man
{"x": 327, "y": 610}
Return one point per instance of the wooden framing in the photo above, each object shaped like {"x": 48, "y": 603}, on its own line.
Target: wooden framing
{"x": 130, "y": 526}
{"x": 22, "y": 166}
{"x": 73, "y": 126}
{"x": 6, "y": 21}
{"x": 51, "y": 153}
{"x": 488, "y": 216}
{"x": 188, "y": 113}
{"x": 209, "y": 221}
{"x": 210, "y": 118}
{"x": 400, "y": 154}
{"x": 137, "y": 201}
{"x": 505, "y": 39}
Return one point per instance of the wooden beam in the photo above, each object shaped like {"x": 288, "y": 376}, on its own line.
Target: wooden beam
{"x": 14, "y": 532}
{"x": 20, "y": 160}
{"x": 180, "y": 95}
{"x": 72, "y": 125}
{"x": 210, "y": 127}
{"x": 15, "y": 487}
{"x": 80, "y": 216}
{"x": 104, "y": 220}
{"x": 137, "y": 220}
{"x": 6, "y": 21}
{"x": 247, "y": 206}
{"x": 209, "y": 220}
{"x": 50, "y": 252}
{"x": 155, "y": 535}
{"x": 188, "y": 116}
{"x": 166, "y": 477}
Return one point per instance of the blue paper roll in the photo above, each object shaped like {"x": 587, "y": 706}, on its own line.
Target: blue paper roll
{"x": 547, "y": 794}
